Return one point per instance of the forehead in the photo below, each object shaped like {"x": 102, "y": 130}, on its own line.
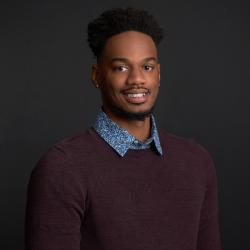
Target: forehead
{"x": 132, "y": 45}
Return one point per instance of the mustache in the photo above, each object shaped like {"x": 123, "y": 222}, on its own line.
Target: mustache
{"x": 135, "y": 88}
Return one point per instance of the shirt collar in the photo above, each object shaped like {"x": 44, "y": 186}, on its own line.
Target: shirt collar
{"x": 119, "y": 138}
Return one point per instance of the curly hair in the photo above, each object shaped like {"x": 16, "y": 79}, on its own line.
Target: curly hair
{"x": 115, "y": 21}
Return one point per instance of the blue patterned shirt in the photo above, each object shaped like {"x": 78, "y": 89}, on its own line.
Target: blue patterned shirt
{"x": 119, "y": 138}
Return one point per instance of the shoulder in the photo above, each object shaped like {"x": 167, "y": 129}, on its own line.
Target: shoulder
{"x": 64, "y": 155}
{"x": 188, "y": 148}
{"x": 173, "y": 141}
{"x": 58, "y": 173}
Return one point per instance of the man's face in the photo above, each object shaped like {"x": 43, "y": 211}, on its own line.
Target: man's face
{"x": 128, "y": 74}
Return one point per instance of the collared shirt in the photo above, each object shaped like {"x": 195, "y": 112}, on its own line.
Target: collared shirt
{"x": 120, "y": 139}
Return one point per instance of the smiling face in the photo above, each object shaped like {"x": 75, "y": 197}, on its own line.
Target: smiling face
{"x": 128, "y": 75}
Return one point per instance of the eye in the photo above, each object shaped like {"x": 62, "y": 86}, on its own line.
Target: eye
{"x": 120, "y": 68}
{"x": 148, "y": 67}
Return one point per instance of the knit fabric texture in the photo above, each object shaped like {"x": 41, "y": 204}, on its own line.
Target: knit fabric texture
{"x": 83, "y": 196}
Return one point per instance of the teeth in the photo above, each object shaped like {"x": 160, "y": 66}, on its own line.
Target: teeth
{"x": 136, "y": 95}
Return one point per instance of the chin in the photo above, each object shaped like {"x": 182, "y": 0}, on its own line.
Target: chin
{"x": 130, "y": 115}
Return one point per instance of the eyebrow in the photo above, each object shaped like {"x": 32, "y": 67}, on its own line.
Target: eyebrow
{"x": 124, "y": 59}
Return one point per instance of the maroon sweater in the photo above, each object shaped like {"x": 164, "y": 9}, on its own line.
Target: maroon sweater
{"x": 83, "y": 196}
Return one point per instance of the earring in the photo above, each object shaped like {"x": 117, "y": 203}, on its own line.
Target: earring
{"x": 97, "y": 86}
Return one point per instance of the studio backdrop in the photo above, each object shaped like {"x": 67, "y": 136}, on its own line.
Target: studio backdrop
{"x": 46, "y": 94}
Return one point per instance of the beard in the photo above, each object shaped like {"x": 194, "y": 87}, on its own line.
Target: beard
{"x": 123, "y": 113}
{"x": 132, "y": 116}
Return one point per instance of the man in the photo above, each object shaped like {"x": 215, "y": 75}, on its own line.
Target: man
{"x": 124, "y": 184}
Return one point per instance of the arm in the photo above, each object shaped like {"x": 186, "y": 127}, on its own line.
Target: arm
{"x": 209, "y": 235}
{"x": 55, "y": 205}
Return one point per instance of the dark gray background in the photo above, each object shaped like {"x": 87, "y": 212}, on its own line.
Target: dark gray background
{"x": 46, "y": 93}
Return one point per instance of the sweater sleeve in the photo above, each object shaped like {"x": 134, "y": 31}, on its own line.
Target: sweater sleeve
{"x": 55, "y": 205}
{"x": 208, "y": 235}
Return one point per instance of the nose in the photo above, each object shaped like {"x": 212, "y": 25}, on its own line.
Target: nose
{"x": 135, "y": 77}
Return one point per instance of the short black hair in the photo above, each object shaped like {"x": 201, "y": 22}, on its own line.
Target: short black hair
{"x": 118, "y": 20}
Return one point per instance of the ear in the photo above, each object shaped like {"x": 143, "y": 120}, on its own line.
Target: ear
{"x": 95, "y": 75}
{"x": 159, "y": 71}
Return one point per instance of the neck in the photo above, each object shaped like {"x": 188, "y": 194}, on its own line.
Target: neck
{"x": 140, "y": 129}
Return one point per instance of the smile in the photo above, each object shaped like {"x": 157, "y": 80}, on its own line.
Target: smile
{"x": 136, "y": 98}
{"x": 136, "y": 95}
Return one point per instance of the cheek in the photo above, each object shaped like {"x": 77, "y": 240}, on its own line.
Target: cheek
{"x": 155, "y": 90}
{"x": 114, "y": 81}
{"x": 111, "y": 89}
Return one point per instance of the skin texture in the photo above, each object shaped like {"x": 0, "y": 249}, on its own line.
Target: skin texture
{"x": 128, "y": 64}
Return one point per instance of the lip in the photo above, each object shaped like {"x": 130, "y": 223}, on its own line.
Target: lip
{"x": 136, "y": 91}
{"x": 136, "y": 99}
